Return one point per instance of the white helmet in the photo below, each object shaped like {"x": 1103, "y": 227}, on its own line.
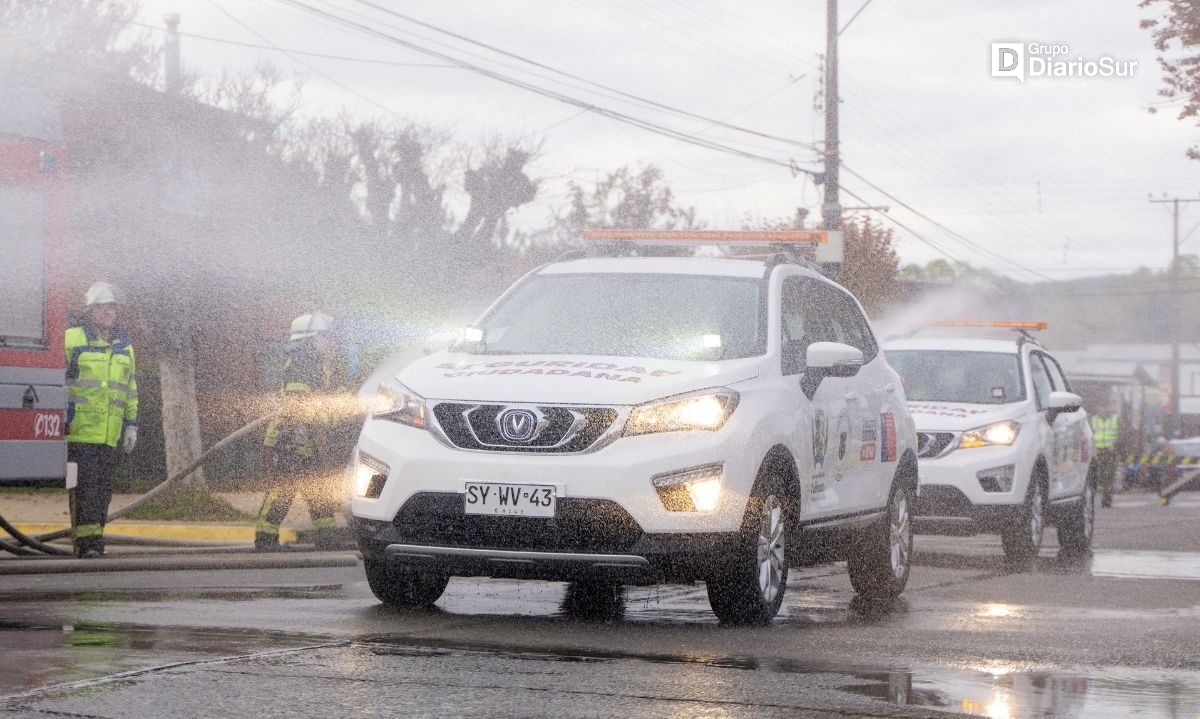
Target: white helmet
{"x": 311, "y": 325}
{"x": 101, "y": 293}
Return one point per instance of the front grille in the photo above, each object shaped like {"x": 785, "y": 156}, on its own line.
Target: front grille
{"x": 931, "y": 444}
{"x": 579, "y": 525}
{"x": 567, "y": 429}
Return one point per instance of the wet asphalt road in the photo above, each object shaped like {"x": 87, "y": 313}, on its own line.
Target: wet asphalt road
{"x": 1115, "y": 636}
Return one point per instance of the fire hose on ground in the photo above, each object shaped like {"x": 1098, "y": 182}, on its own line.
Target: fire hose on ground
{"x": 38, "y": 546}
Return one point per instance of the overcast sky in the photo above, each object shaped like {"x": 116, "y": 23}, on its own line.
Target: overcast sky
{"x": 1050, "y": 175}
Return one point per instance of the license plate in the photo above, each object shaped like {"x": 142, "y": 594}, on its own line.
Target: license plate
{"x": 519, "y": 500}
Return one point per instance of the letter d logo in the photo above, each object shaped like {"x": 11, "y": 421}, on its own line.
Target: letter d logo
{"x": 1008, "y": 60}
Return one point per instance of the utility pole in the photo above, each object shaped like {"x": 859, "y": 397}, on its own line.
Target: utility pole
{"x": 1175, "y": 324}
{"x": 831, "y": 210}
{"x": 172, "y": 64}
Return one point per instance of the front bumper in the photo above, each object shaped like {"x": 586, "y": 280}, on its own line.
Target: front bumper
{"x": 952, "y": 500}
{"x": 620, "y": 473}
{"x": 586, "y": 538}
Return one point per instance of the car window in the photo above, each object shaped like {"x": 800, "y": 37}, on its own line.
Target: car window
{"x": 803, "y": 322}
{"x": 685, "y": 317}
{"x": 1041, "y": 380}
{"x": 847, "y": 321}
{"x": 958, "y": 376}
{"x": 1057, "y": 378}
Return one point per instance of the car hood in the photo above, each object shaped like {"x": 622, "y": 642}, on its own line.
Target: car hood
{"x": 959, "y": 416}
{"x": 565, "y": 379}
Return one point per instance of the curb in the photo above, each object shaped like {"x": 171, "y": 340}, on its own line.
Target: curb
{"x": 188, "y": 531}
{"x": 176, "y": 562}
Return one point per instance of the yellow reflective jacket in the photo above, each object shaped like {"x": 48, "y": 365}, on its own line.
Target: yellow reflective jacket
{"x": 102, "y": 387}
{"x": 1104, "y": 431}
{"x": 310, "y": 381}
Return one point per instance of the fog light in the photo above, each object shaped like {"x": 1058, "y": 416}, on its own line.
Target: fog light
{"x": 690, "y": 490}
{"x": 997, "y": 479}
{"x": 370, "y": 477}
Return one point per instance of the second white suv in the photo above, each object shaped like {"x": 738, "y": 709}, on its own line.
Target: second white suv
{"x": 1004, "y": 443}
{"x": 639, "y": 420}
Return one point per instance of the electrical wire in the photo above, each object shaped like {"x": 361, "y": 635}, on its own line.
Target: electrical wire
{"x": 291, "y": 51}
{"x": 555, "y": 95}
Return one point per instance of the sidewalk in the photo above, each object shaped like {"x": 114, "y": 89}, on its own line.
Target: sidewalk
{"x": 40, "y": 512}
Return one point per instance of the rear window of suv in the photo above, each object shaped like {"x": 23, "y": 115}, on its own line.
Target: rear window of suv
{"x": 957, "y": 376}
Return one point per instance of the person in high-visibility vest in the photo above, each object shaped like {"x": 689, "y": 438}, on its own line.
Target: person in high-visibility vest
{"x": 102, "y": 412}
{"x": 306, "y": 448}
{"x": 1105, "y": 431}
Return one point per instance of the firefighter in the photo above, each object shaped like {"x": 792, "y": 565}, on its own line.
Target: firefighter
{"x": 306, "y": 446}
{"x": 1105, "y": 427}
{"x": 102, "y": 412}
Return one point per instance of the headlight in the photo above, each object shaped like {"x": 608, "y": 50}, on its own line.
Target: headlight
{"x": 1001, "y": 433}
{"x": 708, "y": 412}
{"x": 397, "y": 403}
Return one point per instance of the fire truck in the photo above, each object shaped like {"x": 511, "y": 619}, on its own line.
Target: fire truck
{"x": 33, "y": 228}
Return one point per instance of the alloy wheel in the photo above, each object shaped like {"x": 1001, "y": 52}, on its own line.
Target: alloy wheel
{"x": 900, "y": 531}
{"x": 770, "y": 549}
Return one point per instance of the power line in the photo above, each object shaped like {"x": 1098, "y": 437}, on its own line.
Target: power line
{"x": 947, "y": 230}
{"x": 577, "y": 78}
{"x": 345, "y": 87}
{"x": 553, "y": 94}
{"x": 291, "y": 51}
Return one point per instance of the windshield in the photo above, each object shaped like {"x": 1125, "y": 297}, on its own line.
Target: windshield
{"x": 952, "y": 376}
{"x": 684, "y": 317}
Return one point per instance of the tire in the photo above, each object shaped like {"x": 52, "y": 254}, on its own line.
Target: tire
{"x": 1022, "y": 539}
{"x": 749, "y": 588}
{"x": 1075, "y": 532}
{"x": 403, "y": 587}
{"x": 880, "y": 556}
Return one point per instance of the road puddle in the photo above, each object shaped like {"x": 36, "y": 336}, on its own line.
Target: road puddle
{"x": 62, "y": 653}
{"x": 1003, "y": 693}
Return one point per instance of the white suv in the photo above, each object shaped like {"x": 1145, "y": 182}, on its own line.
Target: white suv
{"x": 1004, "y": 443}
{"x": 632, "y": 420}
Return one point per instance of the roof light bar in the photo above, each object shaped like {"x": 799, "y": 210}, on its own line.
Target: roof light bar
{"x": 710, "y": 237}
{"x": 990, "y": 323}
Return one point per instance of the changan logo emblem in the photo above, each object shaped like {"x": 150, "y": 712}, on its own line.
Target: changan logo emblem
{"x": 517, "y": 425}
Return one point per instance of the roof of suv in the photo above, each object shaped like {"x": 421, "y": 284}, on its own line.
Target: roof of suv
{"x": 715, "y": 266}
{"x": 953, "y": 344}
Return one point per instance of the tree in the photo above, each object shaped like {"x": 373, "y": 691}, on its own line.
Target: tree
{"x": 1176, "y": 38}
{"x": 625, "y": 200}
{"x": 870, "y": 270}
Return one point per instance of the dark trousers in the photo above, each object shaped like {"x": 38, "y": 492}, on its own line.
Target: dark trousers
{"x": 1106, "y": 467}
{"x": 291, "y": 475}
{"x": 97, "y": 463}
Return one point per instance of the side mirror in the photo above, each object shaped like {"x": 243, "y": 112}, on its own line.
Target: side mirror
{"x": 828, "y": 359}
{"x": 1062, "y": 403}
{"x": 833, "y": 359}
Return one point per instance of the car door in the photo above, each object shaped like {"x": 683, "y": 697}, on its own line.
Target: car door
{"x": 803, "y": 322}
{"x": 1048, "y": 435}
{"x": 1070, "y": 436}
{"x": 859, "y": 433}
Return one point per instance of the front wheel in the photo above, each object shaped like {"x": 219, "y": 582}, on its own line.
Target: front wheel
{"x": 1075, "y": 532}
{"x": 403, "y": 587}
{"x": 1022, "y": 539}
{"x": 880, "y": 556}
{"x": 749, "y": 588}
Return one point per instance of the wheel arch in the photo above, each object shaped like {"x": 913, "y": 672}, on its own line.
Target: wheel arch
{"x": 779, "y": 460}
{"x": 907, "y": 472}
